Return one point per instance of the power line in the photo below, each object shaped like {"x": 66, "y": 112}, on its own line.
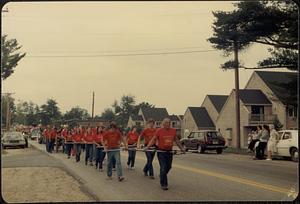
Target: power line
{"x": 120, "y": 55}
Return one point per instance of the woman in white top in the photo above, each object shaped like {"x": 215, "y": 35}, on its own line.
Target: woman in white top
{"x": 271, "y": 147}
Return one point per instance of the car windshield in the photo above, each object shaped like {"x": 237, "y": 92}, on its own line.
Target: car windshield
{"x": 213, "y": 134}
{"x": 35, "y": 132}
{"x": 13, "y": 135}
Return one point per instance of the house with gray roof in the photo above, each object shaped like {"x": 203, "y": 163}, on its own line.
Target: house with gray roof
{"x": 255, "y": 109}
{"x": 157, "y": 114}
{"x": 281, "y": 89}
{"x": 214, "y": 105}
{"x": 196, "y": 118}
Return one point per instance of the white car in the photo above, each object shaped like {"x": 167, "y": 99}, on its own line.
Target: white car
{"x": 13, "y": 139}
{"x": 287, "y": 145}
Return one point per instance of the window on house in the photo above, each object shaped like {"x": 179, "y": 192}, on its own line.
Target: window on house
{"x": 292, "y": 111}
{"x": 257, "y": 110}
{"x": 138, "y": 123}
{"x": 158, "y": 124}
{"x": 173, "y": 124}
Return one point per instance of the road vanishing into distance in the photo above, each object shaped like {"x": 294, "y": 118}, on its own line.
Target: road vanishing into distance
{"x": 193, "y": 177}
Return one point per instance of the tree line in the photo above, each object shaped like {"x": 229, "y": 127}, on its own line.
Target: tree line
{"x": 28, "y": 113}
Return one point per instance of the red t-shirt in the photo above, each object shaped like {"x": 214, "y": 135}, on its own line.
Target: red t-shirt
{"x": 68, "y": 137}
{"x": 88, "y": 137}
{"x": 132, "y": 138}
{"x": 53, "y": 134}
{"x": 148, "y": 133}
{"x": 77, "y": 137}
{"x": 113, "y": 139}
{"x": 98, "y": 138}
{"x": 165, "y": 138}
{"x": 64, "y": 133}
{"x": 46, "y": 133}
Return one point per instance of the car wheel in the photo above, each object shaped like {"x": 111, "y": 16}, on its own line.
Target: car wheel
{"x": 200, "y": 149}
{"x": 219, "y": 151}
{"x": 184, "y": 147}
{"x": 294, "y": 155}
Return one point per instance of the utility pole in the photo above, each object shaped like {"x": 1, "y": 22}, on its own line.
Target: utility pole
{"x": 237, "y": 100}
{"x": 93, "y": 103}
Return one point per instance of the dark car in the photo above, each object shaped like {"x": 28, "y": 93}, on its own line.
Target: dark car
{"x": 204, "y": 140}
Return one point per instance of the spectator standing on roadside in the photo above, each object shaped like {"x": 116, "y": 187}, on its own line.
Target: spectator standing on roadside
{"x": 260, "y": 150}
{"x": 271, "y": 146}
{"x": 53, "y": 135}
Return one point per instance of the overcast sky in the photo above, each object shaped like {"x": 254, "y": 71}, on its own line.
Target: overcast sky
{"x": 72, "y": 50}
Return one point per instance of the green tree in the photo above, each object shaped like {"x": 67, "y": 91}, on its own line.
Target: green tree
{"x": 265, "y": 22}
{"x": 108, "y": 114}
{"x": 9, "y": 56}
{"x": 50, "y": 112}
{"x": 76, "y": 113}
{"x": 123, "y": 109}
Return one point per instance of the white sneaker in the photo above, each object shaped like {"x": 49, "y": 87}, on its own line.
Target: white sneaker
{"x": 132, "y": 168}
{"x": 268, "y": 159}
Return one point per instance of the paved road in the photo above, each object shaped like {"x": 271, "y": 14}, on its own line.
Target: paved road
{"x": 202, "y": 177}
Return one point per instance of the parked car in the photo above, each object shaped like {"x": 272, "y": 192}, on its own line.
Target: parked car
{"x": 287, "y": 145}
{"x": 204, "y": 140}
{"x": 13, "y": 139}
{"x": 35, "y": 133}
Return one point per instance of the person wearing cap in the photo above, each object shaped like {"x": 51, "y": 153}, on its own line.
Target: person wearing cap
{"x": 148, "y": 134}
{"x": 165, "y": 137}
{"x": 89, "y": 140}
{"x": 131, "y": 140}
{"x": 112, "y": 141}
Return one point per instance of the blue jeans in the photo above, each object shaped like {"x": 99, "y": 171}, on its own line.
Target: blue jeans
{"x": 47, "y": 145}
{"x": 110, "y": 156}
{"x": 94, "y": 152}
{"x": 68, "y": 148}
{"x": 149, "y": 167}
{"x": 165, "y": 162}
{"x": 77, "y": 148}
{"x": 100, "y": 154}
{"x": 88, "y": 153}
{"x": 51, "y": 145}
{"x": 131, "y": 158}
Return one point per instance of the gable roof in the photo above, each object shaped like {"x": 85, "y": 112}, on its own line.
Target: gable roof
{"x": 253, "y": 96}
{"x": 157, "y": 114}
{"x": 218, "y": 101}
{"x": 173, "y": 117}
{"x": 282, "y": 84}
{"x": 201, "y": 117}
{"x": 136, "y": 117}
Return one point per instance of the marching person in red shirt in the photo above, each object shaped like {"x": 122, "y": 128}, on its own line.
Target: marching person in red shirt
{"x": 63, "y": 135}
{"x": 89, "y": 140}
{"x": 53, "y": 135}
{"x": 112, "y": 141}
{"x": 165, "y": 138}
{"x": 148, "y": 134}
{"x": 68, "y": 142}
{"x": 98, "y": 141}
{"x": 132, "y": 139}
{"x": 77, "y": 140}
{"x": 46, "y": 134}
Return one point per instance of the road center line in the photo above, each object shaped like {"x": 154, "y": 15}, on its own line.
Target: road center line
{"x": 225, "y": 177}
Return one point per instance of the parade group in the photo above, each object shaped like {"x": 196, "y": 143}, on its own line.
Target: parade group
{"x": 109, "y": 141}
